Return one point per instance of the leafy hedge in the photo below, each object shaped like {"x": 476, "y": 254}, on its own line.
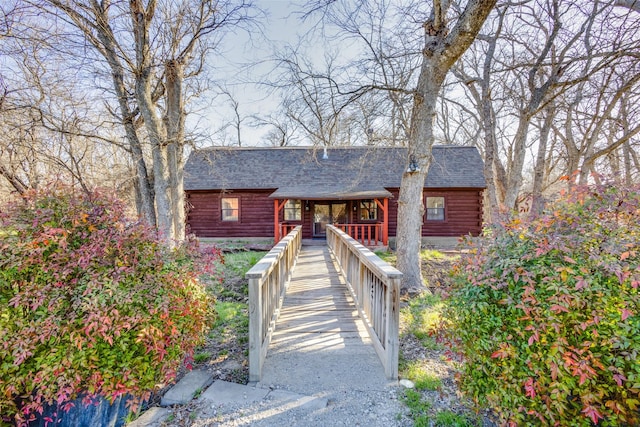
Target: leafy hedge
{"x": 547, "y": 313}
{"x": 90, "y": 304}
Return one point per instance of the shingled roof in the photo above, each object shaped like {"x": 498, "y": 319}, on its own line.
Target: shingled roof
{"x": 348, "y": 173}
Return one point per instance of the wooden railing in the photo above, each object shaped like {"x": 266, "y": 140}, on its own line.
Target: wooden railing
{"x": 375, "y": 285}
{"x": 367, "y": 234}
{"x": 285, "y": 228}
{"x": 268, "y": 281}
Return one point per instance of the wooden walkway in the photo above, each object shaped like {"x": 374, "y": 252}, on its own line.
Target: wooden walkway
{"x": 320, "y": 345}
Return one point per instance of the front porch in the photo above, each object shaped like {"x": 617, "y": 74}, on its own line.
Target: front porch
{"x": 365, "y": 220}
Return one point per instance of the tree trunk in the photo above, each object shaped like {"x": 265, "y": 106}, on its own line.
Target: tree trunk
{"x": 410, "y": 201}
{"x": 514, "y": 180}
{"x": 175, "y": 143}
{"x": 13, "y": 179}
{"x": 538, "y": 202}
{"x": 442, "y": 49}
{"x": 141, "y": 20}
{"x": 108, "y": 49}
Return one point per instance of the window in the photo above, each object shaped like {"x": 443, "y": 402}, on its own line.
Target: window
{"x": 368, "y": 210}
{"x": 230, "y": 209}
{"x": 435, "y": 208}
{"x": 293, "y": 210}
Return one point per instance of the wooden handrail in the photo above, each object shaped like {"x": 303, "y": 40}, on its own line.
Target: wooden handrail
{"x": 285, "y": 228}
{"x": 268, "y": 282}
{"x": 375, "y": 286}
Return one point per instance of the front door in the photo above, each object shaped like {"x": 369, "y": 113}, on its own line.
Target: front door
{"x": 327, "y": 213}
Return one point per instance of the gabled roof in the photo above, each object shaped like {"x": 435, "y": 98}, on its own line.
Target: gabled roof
{"x": 348, "y": 173}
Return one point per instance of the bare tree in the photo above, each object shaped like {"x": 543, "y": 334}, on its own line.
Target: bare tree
{"x": 545, "y": 62}
{"x": 434, "y": 37}
{"x": 150, "y": 48}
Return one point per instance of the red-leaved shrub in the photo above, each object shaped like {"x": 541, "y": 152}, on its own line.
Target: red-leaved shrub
{"x": 547, "y": 313}
{"x": 91, "y": 303}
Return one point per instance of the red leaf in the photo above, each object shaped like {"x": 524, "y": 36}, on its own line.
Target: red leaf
{"x": 592, "y": 413}
{"x": 624, "y": 255}
{"x": 558, "y": 308}
{"x": 529, "y": 387}
{"x": 626, "y": 313}
{"x": 619, "y": 379}
{"x": 554, "y": 371}
{"x": 500, "y": 354}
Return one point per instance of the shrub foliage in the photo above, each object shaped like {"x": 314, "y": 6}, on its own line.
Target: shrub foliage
{"x": 547, "y": 313}
{"x": 91, "y": 304}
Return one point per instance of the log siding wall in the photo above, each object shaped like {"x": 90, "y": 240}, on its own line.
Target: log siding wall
{"x": 463, "y": 214}
{"x": 204, "y": 216}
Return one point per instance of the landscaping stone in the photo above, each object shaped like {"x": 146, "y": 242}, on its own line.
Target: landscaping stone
{"x": 153, "y": 417}
{"x": 186, "y": 388}
{"x": 224, "y": 392}
{"x": 407, "y": 383}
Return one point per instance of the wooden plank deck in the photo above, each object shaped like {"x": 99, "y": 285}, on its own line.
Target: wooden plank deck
{"x": 320, "y": 344}
{"x": 317, "y": 301}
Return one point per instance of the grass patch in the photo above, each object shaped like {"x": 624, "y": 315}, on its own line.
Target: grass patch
{"x": 386, "y": 256}
{"x": 418, "y": 407}
{"x": 436, "y": 255}
{"x": 231, "y": 326}
{"x": 421, "y": 317}
{"x": 238, "y": 263}
{"x": 201, "y": 357}
{"x": 231, "y": 315}
{"x": 451, "y": 419}
{"x": 233, "y": 285}
{"x": 422, "y": 379}
{"x": 198, "y": 392}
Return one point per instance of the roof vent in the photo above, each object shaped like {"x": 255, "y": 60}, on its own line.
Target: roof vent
{"x": 325, "y": 156}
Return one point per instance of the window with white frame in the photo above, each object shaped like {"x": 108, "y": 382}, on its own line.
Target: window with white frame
{"x": 435, "y": 208}
{"x": 230, "y": 208}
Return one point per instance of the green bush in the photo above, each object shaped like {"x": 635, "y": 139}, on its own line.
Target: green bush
{"x": 91, "y": 304}
{"x": 547, "y": 313}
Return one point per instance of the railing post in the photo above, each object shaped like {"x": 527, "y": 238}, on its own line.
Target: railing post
{"x": 255, "y": 329}
{"x": 392, "y": 328}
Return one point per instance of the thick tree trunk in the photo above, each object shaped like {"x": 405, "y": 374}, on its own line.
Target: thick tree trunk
{"x": 175, "y": 144}
{"x": 108, "y": 49}
{"x": 488, "y": 120}
{"x": 410, "y": 201}
{"x": 514, "y": 180}
{"x": 141, "y": 20}
{"x": 442, "y": 49}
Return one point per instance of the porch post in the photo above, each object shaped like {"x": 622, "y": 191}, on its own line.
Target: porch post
{"x": 385, "y": 224}
{"x": 276, "y": 222}
{"x": 276, "y": 219}
{"x": 384, "y": 207}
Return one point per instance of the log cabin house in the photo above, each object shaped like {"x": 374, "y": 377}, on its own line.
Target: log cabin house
{"x": 265, "y": 192}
